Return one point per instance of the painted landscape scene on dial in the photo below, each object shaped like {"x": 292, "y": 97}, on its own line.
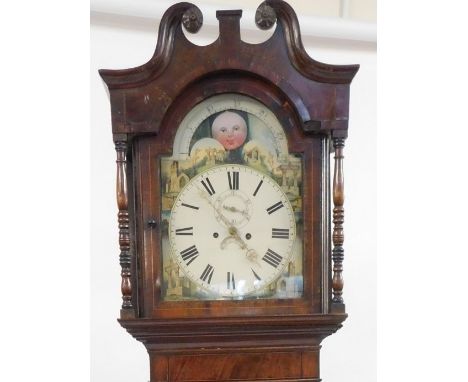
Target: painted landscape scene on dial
{"x": 232, "y": 137}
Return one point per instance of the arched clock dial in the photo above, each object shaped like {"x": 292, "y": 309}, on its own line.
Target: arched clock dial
{"x": 223, "y": 102}
{"x": 232, "y": 230}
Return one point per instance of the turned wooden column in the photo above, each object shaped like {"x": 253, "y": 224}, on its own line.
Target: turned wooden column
{"x": 124, "y": 232}
{"x": 338, "y": 220}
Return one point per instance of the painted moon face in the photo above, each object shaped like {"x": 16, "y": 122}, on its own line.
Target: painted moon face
{"x": 230, "y": 130}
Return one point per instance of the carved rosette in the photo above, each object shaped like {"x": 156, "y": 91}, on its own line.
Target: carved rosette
{"x": 192, "y": 19}
{"x": 338, "y": 220}
{"x": 265, "y": 17}
{"x": 124, "y": 232}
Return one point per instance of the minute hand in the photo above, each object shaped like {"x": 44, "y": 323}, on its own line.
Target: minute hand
{"x": 250, "y": 253}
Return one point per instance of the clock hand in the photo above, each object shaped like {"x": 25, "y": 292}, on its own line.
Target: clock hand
{"x": 253, "y": 257}
{"x": 232, "y": 230}
{"x": 222, "y": 217}
{"x": 225, "y": 241}
{"x": 236, "y": 236}
{"x": 251, "y": 254}
{"x": 234, "y": 209}
{"x": 233, "y": 236}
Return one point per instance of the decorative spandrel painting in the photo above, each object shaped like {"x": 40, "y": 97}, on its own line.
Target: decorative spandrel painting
{"x": 231, "y": 206}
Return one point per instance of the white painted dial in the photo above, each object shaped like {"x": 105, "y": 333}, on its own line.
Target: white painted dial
{"x": 232, "y": 230}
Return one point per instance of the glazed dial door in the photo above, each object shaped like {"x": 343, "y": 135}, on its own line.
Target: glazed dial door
{"x": 231, "y": 206}
{"x": 232, "y": 230}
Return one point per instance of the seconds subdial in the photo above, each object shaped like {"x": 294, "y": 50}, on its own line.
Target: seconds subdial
{"x": 235, "y": 206}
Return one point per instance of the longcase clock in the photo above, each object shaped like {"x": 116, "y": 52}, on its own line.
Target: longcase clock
{"x": 231, "y": 258}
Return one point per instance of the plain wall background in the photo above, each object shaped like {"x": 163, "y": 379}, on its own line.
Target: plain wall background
{"x": 350, "y": 354}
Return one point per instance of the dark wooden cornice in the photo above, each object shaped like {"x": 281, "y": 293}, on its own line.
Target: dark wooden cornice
{"x": 170, "y": 23}
{"x": 319, "y": 92}
{"x": 307, "y": 66}
{"x": 178, "y": 13}
{"x": 235, "y": 332}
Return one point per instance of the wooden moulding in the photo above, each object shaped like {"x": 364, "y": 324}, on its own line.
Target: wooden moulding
{"x": 209, "y": 334}
{"x": 141, "y": 96}
{"x": 234, "y": 349}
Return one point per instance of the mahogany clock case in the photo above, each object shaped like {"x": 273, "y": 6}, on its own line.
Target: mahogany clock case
{"x": 311, "y": 101}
